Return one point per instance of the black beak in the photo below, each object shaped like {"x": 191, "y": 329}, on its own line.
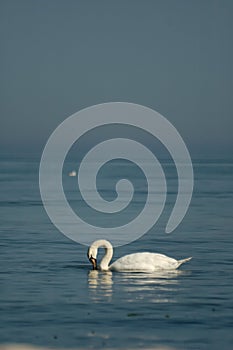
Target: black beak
{"x": 94, "y": 263}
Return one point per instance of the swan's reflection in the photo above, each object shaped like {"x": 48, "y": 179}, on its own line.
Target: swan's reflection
{"x": 142, "y": 281}
{"x": 100, "y": 284}
{"x": 156, "y": 287}
{"x": 160, "y": 286}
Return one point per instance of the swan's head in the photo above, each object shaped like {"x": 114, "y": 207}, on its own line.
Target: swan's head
{"x": 92, "y": 254}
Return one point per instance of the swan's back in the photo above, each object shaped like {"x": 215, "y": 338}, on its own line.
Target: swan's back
{"x": 141, "y": 262}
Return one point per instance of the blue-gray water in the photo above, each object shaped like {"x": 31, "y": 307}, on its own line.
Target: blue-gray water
{"x": 49, "y": 295}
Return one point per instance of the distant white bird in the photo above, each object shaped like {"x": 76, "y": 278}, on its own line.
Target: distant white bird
{"x": 138, "y": 262}
{"x": 72, "y": 173}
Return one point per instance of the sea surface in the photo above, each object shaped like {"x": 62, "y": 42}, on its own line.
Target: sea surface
{"x": 50, "y": 296}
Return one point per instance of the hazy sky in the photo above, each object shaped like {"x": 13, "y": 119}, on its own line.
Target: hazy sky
{"x": 60, "y": 56}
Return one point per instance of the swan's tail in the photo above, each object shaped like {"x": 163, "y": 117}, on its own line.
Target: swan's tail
{"x": 182, "y": 261}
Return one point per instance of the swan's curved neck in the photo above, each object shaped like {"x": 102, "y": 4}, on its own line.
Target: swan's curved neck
{"x": 104, "y": 264}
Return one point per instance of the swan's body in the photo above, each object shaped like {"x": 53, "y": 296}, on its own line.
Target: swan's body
{"x": 138, "y": 262}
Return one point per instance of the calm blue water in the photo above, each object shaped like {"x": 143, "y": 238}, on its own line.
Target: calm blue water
{"x": 49, "y": 295}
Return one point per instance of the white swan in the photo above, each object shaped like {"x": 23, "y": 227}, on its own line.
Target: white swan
{"x": 138, "y": 262}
